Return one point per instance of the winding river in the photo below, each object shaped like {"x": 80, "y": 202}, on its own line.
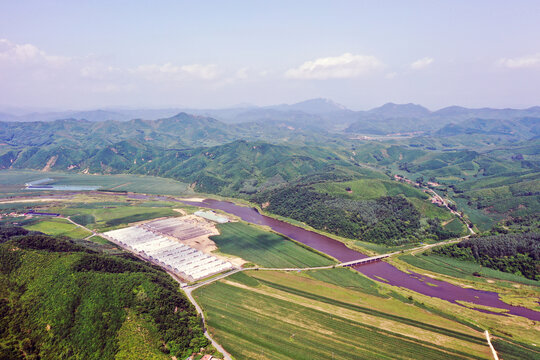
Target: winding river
{"x": 379, "y": 271}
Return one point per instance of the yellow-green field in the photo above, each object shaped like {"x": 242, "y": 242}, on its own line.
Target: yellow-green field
{"x": 59, "y": 226}
{"x": 277, "y": 315}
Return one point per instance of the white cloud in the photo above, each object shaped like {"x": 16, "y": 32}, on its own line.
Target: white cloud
{"x": 205, "y": 72}
{"x": 521, "y": 62}
{"x": 390, "y": 75}
{"x": 421, "y": 63}
{"x": 242, "y": 74}
{"x": 28, "y": 53}
{"x": 339, "y": 67}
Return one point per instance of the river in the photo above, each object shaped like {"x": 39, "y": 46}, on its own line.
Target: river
{"x": 379, "y": 271}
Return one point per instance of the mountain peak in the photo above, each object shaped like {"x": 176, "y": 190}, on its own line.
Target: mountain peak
{"x": 312, "y": 106}
{"x": 400, "y": 110}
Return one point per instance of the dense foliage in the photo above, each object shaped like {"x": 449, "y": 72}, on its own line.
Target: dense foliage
{"x": 513, "y": 253}
{"x": 59, "y": 300}
{"x": 388, "y": 219}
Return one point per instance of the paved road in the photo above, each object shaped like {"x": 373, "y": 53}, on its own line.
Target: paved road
{"x": 457, "y": 213}
{"x": 220, "y": 348}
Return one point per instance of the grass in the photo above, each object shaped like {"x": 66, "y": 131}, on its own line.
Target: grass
{"x": 455, "y": 226}
{"x": 265, "y": 248}
{"x": 263, "y": 315}
{"x": 346, "y": 278}
{"x": 384, "y": 249}
{"x": 58, "y": 226}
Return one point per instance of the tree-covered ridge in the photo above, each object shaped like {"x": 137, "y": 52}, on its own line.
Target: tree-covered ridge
{"x": 513, "y": 253}
{"x": 59, "y": 300}
{"x": 389, "y": 220}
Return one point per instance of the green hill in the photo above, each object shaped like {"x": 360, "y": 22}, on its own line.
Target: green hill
{"x": 60, "y": 300}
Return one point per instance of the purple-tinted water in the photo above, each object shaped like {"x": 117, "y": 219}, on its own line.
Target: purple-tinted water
{"x": 375, "y": 271}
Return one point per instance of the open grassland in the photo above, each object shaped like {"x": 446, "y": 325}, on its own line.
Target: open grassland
{"x": 262, "y": 315}
{"x": 12, "y": 182}
{"x": 58, "y": 226}
{"x": 265, "y": 248}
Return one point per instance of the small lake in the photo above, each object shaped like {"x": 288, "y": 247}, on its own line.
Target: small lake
{"x": 42, "y": 185}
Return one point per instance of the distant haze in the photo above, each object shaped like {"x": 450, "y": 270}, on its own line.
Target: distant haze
{"x": 67, "y": 55}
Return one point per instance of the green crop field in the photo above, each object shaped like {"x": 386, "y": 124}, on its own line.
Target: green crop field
{"x": 461, "y": 269}
{"x": 12, "y": 182}
{"x": 265, "y": 248}
{"x": 56, "y": 226}
{"x": 263, "y": 315}
{"x": 102, "y": 217}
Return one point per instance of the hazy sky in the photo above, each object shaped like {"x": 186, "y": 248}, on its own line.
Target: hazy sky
{"x": 87, "y": 54}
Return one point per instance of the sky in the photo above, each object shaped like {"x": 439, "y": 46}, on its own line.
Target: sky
{"x": 210, "y": 54}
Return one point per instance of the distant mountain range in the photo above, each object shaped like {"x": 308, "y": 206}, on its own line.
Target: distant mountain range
{"x": 327, "y": 115}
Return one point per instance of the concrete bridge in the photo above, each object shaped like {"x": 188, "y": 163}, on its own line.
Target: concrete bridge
{"x": 365, "y": 260}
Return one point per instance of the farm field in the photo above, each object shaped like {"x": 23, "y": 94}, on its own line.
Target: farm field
{"x": 100, "y": 213}
{"x": 58, "y": 226}
{"x": 263, "y": 315}
{"x": 265, "y": 248}
{"x": 12, "y": 182}
{"x": 462, "y": 269}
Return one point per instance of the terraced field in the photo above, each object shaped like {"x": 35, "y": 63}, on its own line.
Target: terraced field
{"x": 265, "y": 248}
{"x": 262, "y": 315}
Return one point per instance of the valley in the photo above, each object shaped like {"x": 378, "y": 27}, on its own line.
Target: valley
{"x": 266, "y": 249}
{"x": 333, "y": 241}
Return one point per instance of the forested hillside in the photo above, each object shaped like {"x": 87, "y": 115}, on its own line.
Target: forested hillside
{"x": 389, "y": 215}
{"x": 490, "y": 168}
{"x": 512, "y": 253}
{"x": 60, "y": 300}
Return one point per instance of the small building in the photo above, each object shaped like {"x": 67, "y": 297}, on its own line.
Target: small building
{"x": 32, "y": 212}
